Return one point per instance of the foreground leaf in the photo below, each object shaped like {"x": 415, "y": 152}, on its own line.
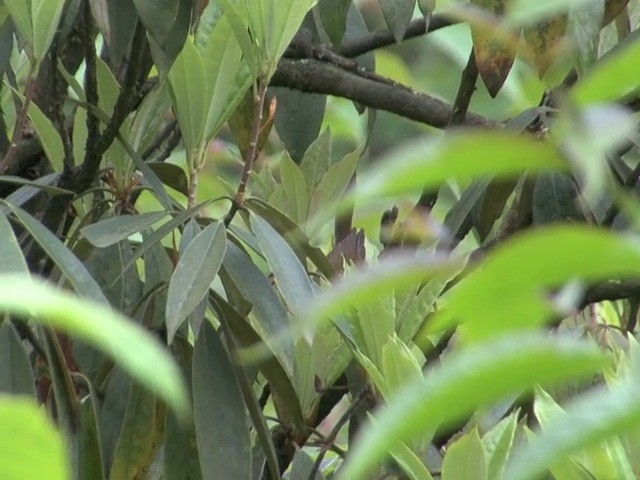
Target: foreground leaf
{"x": 32, "y": 448}
{"x": 465, "y": 382}
{"x": 135, "y": 351}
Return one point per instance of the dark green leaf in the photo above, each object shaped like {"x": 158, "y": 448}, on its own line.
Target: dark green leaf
{"x": 298, "y": 119}
{"x": 555, "y": 199}
{"x": 88, "y": 439}
{"x": 135, "y": 448}
{"x": 302, "y": 466}
{"x": 171, "y": 175}
{"x": 158, "y": 16}
{"x": 397, "y": 14}
{"x": 333, "y": 14}
{"x": 222, "y": 427}
{"x": 67, "y": 262}
{"x": 466, "y": 381}
{"x": 16, "y": 376}
{"x": 317, "y": 159}
{"x": 193, "y": 275}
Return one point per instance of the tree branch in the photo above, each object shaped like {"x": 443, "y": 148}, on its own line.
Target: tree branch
{"x": 314, "y": 76}
{"x": 361, "y": 45}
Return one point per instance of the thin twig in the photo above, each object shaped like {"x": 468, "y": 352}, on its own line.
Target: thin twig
{"x": 21, "y": 119}
{"x": 252, "y": 152}
{"x": 465, "y": 91}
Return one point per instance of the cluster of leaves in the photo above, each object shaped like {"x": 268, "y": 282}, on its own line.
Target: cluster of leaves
{"x": 149, "y": 335}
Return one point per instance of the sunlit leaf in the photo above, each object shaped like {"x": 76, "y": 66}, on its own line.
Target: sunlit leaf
{"x": 32, "y": 447}
{"x": 466, "y": 458}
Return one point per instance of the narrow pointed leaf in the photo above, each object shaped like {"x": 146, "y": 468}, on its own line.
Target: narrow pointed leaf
{"x": 72, "y": 268}
{"x": 222, "y": 428}
{"x": 113, "y": 230}
{"x": 193, "y": 275}
{"x": 16, "y": 375}
{"x": 11, "y": 257}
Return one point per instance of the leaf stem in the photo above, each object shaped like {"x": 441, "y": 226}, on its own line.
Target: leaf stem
{"x": 260, "y": 95}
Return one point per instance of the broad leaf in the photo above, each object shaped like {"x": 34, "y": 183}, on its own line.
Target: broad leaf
{"x": 11, "y": 258}
{"x": 16, "y": 375}
{"x": 465, "y": 458}
{"x": 397, "y": 14}
{"x": 45, "y": 16}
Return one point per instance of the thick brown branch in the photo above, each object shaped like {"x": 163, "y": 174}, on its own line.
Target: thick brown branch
{"x": 323, "y": 77}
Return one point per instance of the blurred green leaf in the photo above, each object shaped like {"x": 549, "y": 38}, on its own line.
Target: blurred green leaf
{"x": 521, "y": 272}
{"x": 613, "y": 78}
{"x": 138, "y": 353}
{"x": 463, "y": 157}
{"x": 333, "y": 14}
{"x": 466, "y": 381}
{"x": 196, "y": 269}
{"x": 611, "y": 412}
{"x": 45, "y": 17}
{"x": 295, "y": 190}
{"x": 32, "y": 446}
{"x": 222, "y": 428}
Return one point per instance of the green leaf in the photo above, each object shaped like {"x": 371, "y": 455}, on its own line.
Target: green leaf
{"x": 461, "y": 157}
{"x": 158, "y": 16}
{"x": 466, "y": 458}
{"x": 302, "y": 466}
{"x": 611, "y": 413}
{"x": 498, "y": 442}
{"x": 615, "y": 76}
{"x": 32, "y": 446}
{"x": 48, "y": 135}
{"x": 88, "y": 439}
{"x": 397, "y": 14}
{"x": 116, "y": 229}
{"x": 334, "y": 183}
{"x": 465, "y": 382}
{"x": 188, "y": 82}
{"x": 413, "y": 466}
{"x": 373, "y": 327}
{"x": 21, "y": 16}
{"x": 333, "y": 14}
{"x": 291, "y": 277}
{"x": 317, "y": 159}
{"x": 296, "y": 238}
{"x": 72, "y": 268}
{"x": 11, "y": 257}
{"x": 520, "y": 273}
{"x": 196, "y": 269}
{"x": 359, "y": 288}
{"x": 295, "y": 189}
{"x": 16, "y": 376}
{"x": 135, "y": 448}
{"x": 298, "y": 119}
{"x": 222, "y": 428}
{"x": 135, "y": 351}
{"x": 45, "y": 17}
{"x": 171, "y": 175}
{"x": 227, "y": 76}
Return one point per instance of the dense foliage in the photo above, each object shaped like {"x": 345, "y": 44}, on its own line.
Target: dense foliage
{"x": 195, "y": 284}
